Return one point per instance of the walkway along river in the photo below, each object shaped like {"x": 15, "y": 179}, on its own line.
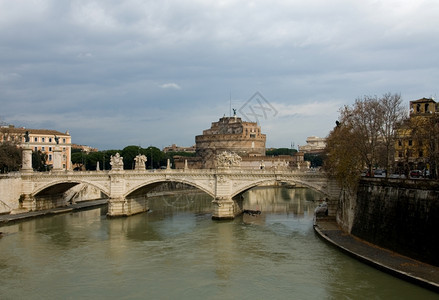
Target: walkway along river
{"x": 177, "y": 251}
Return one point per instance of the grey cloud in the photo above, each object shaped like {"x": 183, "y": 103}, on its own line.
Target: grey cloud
{"x": 129, "y": 60}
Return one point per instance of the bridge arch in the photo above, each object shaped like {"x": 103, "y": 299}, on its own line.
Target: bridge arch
{"x": 146, "y": 187}
{"x": 61, "y": 186}
{"x": 249, "y": 186}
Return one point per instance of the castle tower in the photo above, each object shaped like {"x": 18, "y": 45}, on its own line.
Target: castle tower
{"x": 233, "y": 135}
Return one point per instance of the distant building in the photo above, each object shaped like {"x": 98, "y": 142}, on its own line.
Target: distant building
{"x": 40, "y": 139}
{"x": 175, "y": 148}
{"x": 84, "y": 148}
{"x": 314, "y": 144}
{"x": 231, "y": 134}
{"x": 417, "y": 143}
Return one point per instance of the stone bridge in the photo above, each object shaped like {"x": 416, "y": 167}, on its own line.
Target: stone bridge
{"x": 127, "y": 189}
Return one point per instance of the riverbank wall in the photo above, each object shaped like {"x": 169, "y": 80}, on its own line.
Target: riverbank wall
{"x": 10, "y": 187}
{"x": 400, "y": 215}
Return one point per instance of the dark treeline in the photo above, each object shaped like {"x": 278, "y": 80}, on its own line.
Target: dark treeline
{"x": 155, "y": 158}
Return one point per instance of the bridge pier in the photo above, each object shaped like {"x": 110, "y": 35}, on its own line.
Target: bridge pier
{"x": 123, "y": 207}
{"x": 225, "y": 208}
{"x": 28, "y": 202}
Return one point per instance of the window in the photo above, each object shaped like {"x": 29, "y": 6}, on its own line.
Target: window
{"x": 64, "y": 149}
{"x": 252, "y": 135}
{"x": 410, "y": 143}
{"x": 36, "y": 139}
{"x": 43, "y": 140}
{"x": 42, "y": 149}
{"x": 426, "y": 107}
{"x": 400, "y": 154}
{"x": 50, "y": 148}
{"x": 50, "y": 140}
{"x": 64, "y": 141}
{"x": 50, "y": 157}
{"x": 36, "y": 149}
{"x": 399, "y": 143}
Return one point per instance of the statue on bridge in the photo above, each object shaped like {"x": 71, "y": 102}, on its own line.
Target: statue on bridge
{"x": 140, "y": 162}
{"x": 228, "y": 159}
{"x": 116, "y": 162}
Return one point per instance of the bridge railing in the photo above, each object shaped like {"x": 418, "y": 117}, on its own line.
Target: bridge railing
{"x": 246, "y": 171}
{"x": 10, "y": 175}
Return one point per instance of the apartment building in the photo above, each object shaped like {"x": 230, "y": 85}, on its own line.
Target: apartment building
{"x": 44, "y": 140}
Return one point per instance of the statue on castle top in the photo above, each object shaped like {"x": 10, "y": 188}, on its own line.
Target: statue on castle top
{"x": 228, "y": 159}
{"x": 140, "y": 162}
{"x": 116, "y": 162}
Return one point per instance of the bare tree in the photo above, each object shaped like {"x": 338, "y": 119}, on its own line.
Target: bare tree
{"x": 342, "y": 160}
{"x": 392, "y": 115}
{"x": 364, "y": 119}
{"x": 365, "y": 136}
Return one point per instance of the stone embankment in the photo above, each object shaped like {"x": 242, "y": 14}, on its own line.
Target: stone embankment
{"x": 399, "y": 215}
{"x": 4, "y": 219}
{"x": 403, "y": 267}
{"x": 390, "y": 224}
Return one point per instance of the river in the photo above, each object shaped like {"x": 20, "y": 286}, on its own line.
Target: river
{"x": 176, "y": 251}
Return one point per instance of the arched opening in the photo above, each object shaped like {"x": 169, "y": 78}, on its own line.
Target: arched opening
{"x": 279, "y": 196}
{"x": 169, "y": 197}
{"x": 64, "y": 193}
{"x": 164, "y": 186}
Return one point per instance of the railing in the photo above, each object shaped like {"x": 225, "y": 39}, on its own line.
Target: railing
{"x": 176, "y": 171}
{"x": 10, "y": 175}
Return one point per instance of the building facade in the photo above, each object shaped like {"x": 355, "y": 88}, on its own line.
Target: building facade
{"x": 230, "y": 134}
{"x": 314, "y": 144}
{"x": 44, "y": 140}
{"x": 175, "y": 148}
{"x": 416, "y": 145}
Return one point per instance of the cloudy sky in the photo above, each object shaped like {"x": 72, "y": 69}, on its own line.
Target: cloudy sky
{"x": 138, "y": 72}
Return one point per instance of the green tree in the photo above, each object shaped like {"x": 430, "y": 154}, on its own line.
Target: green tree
{"x": 316, "y": 159}
{"x": 79, "y": 159}
{"x": 92, "y": 158}
{"x": 10, "y": 157}
{"x": 170, "y": 155}
{"x": 280, "y": 151}
{"x": 129, "y": 153}
{"x": 156, "y": 157}
{"x": 39, "y": 161}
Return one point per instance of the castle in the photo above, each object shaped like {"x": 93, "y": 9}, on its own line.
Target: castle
{"x": 232, "y": 134}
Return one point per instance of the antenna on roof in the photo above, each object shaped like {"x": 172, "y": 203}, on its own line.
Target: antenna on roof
{"x": 230, "y": 112}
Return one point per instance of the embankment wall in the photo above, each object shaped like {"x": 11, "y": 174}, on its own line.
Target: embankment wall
{"x": 400, "y": 215}
{"x": 10, "y": 188}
